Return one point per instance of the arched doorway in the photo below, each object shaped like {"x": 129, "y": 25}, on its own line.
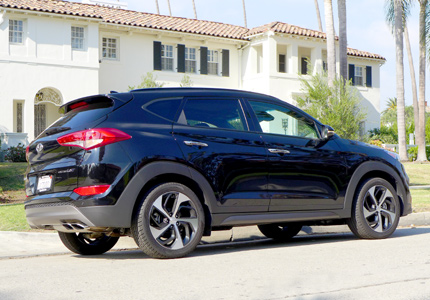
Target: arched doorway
{"x": 46, "y": 104}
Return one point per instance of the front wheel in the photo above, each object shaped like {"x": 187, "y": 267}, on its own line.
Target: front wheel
{"x": 169, "y": 222}
{"x": 88, "y": 243}
{"x": 375, "y": 211}
{"x": 280, "y": 232}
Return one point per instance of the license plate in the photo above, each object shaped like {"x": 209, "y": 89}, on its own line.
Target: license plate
{"x": 44, "y": 183}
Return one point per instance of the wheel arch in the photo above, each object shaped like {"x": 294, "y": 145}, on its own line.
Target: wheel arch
{"x": 371, "y": 170}
{"x": 157, "y": 173}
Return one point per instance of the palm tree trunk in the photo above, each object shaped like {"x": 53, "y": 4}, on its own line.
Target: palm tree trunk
{"x": 195, "y": 11}
{"x": 317, "y": 8}
{"x": 158, "y": 8}
{"x": 341, "y": 7}
{"x": 170, "y": 10}
{"x": 244, "y": 13}
{"x": 400, "y": 84}
{"x": 422, "y": 83}
{"x": 331, "y": 48}
{"x": 414, "y": 83}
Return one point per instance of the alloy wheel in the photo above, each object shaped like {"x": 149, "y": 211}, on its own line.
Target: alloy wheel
{"x": 173, "y": 220}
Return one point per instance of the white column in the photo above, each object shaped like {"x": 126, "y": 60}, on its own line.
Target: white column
{"x": 293, "y": 59}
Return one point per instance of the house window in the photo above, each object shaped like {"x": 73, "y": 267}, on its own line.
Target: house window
{"x": 213, "y": 62}
{"x": 190, "y": 60}
{"x": 19, "y": 116}
{"x": 282, "y": 66}
{"x": 78, "y": 38}
{"x": 324, "y": 66}
{"x": 110, "y": 48}
{"x": 167, "y": 57}
{"x": 304, "y": 66}
{"x": 16, "y": 31}
{"x": 358, "y": 74}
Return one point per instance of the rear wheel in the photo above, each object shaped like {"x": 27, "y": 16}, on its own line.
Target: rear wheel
{"x": 169, "y": 222}
{"x": 375, "y": 211}
{"x": 280, "y": 232}
{"x": 88, "y": 243}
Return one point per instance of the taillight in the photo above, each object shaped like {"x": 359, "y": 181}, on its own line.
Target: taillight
{"x": 93, "y": 138}
{"x": 91, "y": 190}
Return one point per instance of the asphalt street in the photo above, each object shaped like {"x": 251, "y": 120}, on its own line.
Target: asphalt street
{"x": 316, "y": 266}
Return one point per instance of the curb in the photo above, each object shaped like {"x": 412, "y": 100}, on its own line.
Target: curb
{"x": 34, "y": 244}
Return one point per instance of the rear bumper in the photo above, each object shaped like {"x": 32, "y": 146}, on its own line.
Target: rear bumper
{"x": 68, "y": 217}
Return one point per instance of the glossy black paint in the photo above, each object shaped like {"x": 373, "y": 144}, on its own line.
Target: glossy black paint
{"x": 235, "y": 176}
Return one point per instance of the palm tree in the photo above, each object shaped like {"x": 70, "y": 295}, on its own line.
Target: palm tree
{"x": 170, "y": 10}
{"x": 317, "y": 8}
{"x": 423, "y": 32}
{"x": 331, "y": 50}
{"x": 244, "y": 12}
{"x": 419, "y": 116}
{"x": 195, "y": 11}
{"x": 158, "y": 8}
{"x": 391, "y": 104}
{"x": 400, "y": 84}
{"x": 413, "y": 80}
{"x": 341, "y": 7}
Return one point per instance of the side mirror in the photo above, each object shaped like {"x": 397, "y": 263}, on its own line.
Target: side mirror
{"x": 327, "y": 132}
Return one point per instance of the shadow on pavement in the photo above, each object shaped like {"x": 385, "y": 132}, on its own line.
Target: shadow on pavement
{"x": 256, "y": 243}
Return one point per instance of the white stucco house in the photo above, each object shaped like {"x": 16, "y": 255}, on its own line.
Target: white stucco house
{"x": 52, "y": 52}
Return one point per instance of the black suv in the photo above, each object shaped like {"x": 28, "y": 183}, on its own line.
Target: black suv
{"x": 169, "y": 165}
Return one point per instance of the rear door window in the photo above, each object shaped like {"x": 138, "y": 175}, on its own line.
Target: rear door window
{"x": 214, "y": 113}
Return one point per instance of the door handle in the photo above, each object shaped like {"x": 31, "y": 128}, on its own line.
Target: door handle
{"x": 194, "y": 143}
{"x": 279, "y": 151}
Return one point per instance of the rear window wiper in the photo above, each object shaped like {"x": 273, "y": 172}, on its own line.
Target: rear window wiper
{"x": 54, "y": 130}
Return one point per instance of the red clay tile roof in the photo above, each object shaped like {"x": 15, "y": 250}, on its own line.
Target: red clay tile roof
{"x": 154, "y": 21}
{"x": 286, "y": 28}
{"x": 280, "y": 27}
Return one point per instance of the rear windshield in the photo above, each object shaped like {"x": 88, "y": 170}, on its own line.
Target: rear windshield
{"x": 82, "y": 116}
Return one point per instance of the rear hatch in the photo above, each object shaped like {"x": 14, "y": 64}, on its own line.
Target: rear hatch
{"x": 52, "y": 168}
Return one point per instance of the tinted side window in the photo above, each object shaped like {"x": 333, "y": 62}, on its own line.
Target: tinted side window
{"x": 165, "y": 108}
{"x": 281, "y": 120}
{"x": 214, "y": 113}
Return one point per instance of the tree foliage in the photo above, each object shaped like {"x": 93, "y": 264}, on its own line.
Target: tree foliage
{"x": 186, "y": 81}
{"x": 148, "y": 81}
{"x": 337, "y": 106}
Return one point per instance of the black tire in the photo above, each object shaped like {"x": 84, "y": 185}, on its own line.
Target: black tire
{"x": 375, "y": 210}
{"x": 82, "y": 243}
{"x": 280, "y": 232}
{"x": 169, "y": 222}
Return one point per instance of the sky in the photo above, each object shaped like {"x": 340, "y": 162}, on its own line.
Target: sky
{"x": 366, "y": 26}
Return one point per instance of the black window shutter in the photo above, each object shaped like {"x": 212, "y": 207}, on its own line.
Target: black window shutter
{"x": 157, "y": 55}
{"x": 204, "y": 60}
{"x": 225, "y": 63}
{"x": 181, "y": 58}
{"x": 369, "y": 76}
{"x": 304, "y": 65}
{"x": 351, "y": 75}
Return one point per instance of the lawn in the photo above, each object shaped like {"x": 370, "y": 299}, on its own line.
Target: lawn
{"x": 12, "y": 216}
{"x": 12, "y": 176}
{"x": 419, "y": 174}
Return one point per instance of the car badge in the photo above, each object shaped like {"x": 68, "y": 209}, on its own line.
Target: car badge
{"x": 39, "y": 148}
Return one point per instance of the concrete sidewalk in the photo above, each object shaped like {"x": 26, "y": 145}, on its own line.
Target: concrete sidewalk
{"x": 26, "y": 244}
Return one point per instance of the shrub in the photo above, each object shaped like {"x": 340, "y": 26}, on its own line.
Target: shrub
{"x": 16, "y": 154}
{"x": 376, "y": 143}
{"x": 413, "y": 153}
